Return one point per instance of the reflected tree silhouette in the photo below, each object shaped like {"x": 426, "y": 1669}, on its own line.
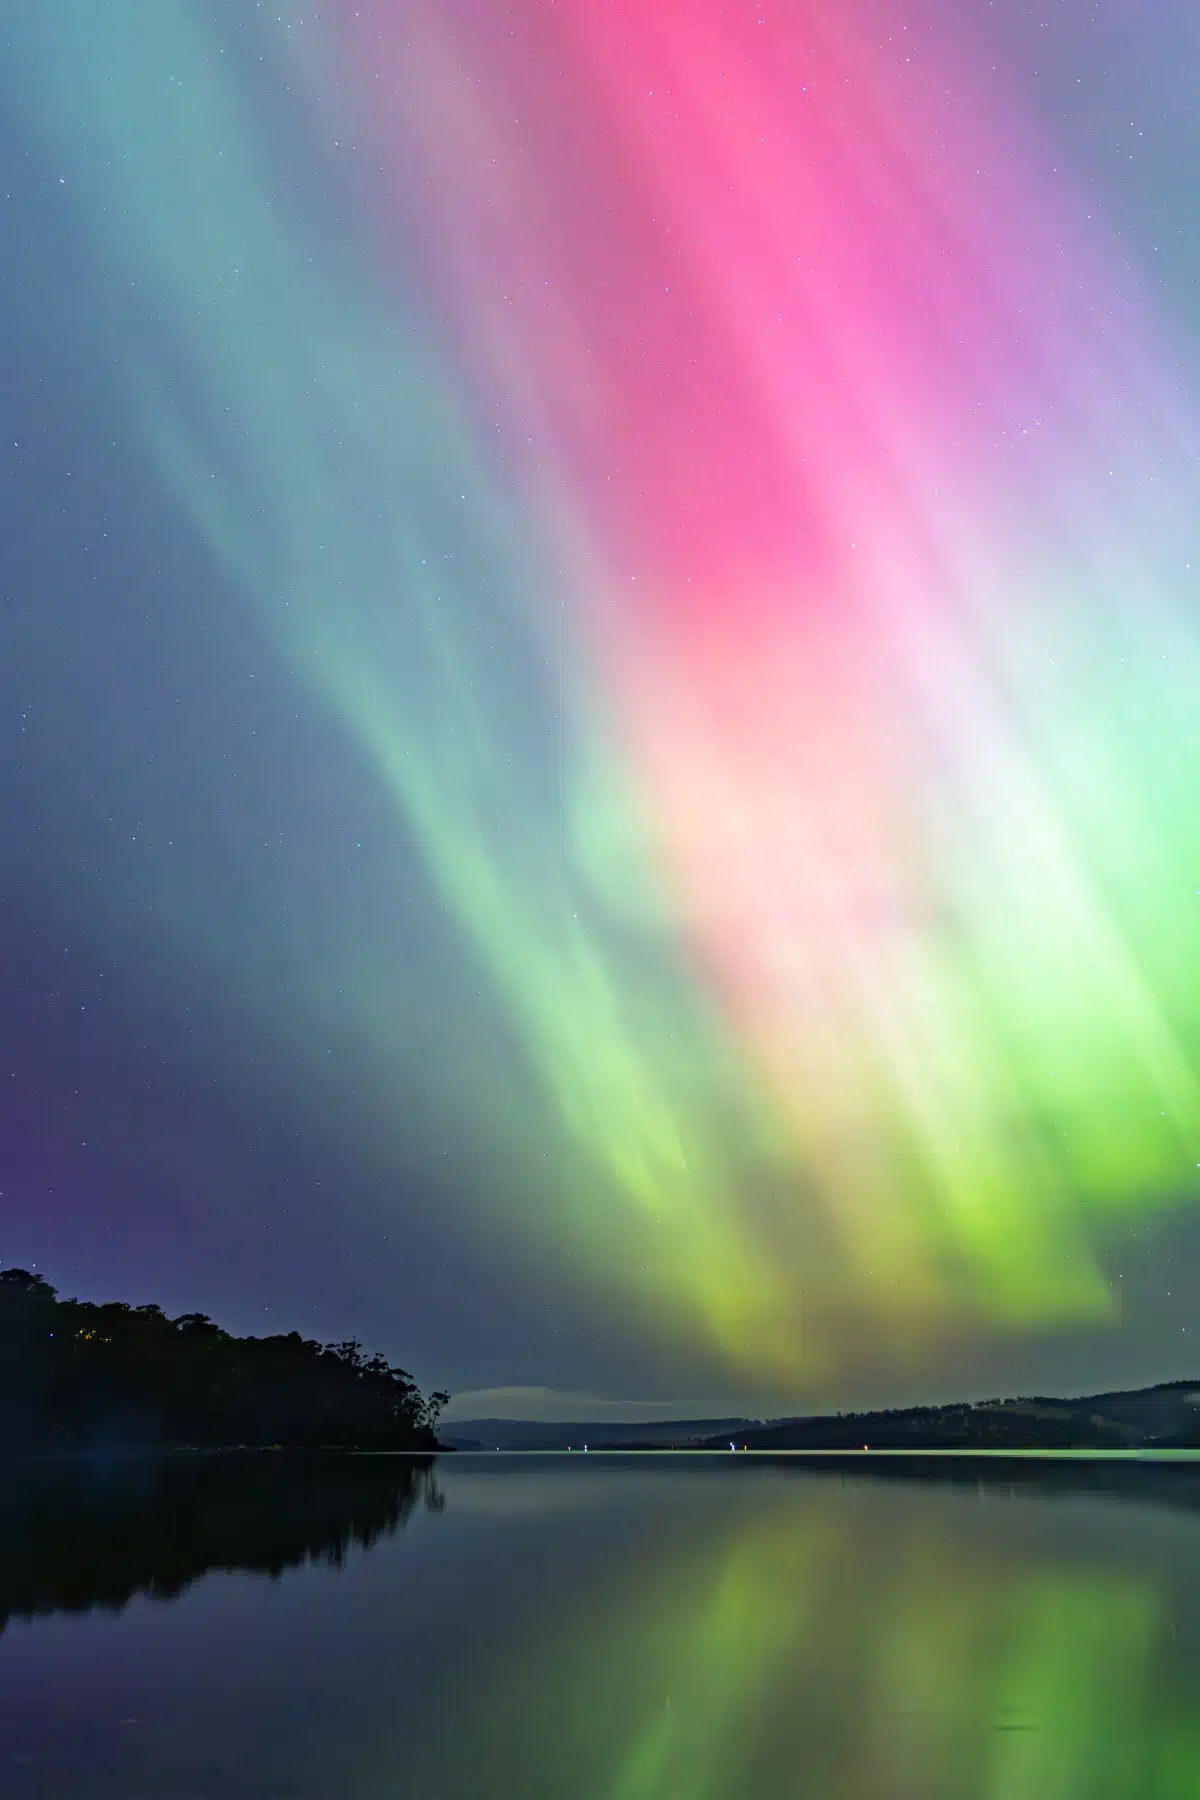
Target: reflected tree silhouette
{"x": 78, "y": 1534}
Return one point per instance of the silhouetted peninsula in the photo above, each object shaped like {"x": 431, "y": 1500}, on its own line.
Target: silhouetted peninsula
{"x": 77, "y": 1375}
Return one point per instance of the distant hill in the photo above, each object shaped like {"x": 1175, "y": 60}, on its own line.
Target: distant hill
{"x": 1163, "y": 1417}
{"x": 535, "y": 1434}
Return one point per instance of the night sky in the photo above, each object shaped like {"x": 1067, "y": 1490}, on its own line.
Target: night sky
{"x": 600, "y": 686}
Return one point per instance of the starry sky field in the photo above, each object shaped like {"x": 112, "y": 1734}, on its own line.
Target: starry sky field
{"x": 600, "y": 686}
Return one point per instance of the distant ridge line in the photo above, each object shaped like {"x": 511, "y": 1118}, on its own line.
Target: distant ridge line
{"x": 1166, "y": 1416}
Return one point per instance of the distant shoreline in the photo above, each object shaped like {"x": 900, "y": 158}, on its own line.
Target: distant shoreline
{"x": 763, "y": 1453}
{"x": 1164, "y": 1417}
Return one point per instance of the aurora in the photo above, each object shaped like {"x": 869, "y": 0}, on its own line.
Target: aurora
{"x": 721, "y": 470}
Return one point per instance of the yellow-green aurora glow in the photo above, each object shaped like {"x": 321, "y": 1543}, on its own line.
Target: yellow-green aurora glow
{"x": 793, "y": 698}
{"x": 841, "y": 1638}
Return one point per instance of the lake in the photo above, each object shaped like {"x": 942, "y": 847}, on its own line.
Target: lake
{"x": 598, "y": 1628}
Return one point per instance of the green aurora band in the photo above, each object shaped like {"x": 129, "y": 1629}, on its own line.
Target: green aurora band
{"x": 340, "y": 469}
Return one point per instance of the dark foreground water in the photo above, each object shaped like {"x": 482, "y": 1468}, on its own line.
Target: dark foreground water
{"x": 597, "y": 1629}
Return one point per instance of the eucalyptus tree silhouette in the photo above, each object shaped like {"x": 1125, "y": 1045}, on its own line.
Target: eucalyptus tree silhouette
{"x": 76, "y": 1373}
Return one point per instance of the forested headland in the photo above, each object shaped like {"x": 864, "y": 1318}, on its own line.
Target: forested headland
{"x": 75, "y": 1374}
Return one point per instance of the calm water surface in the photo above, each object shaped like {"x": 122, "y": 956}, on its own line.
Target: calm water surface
{"x": 599, "y": 1629}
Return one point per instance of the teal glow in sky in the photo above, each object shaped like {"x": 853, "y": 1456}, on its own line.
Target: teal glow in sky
{"x": 632, "y": 579}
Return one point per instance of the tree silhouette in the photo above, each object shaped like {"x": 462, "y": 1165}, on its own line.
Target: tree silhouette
{"x": 75, "y": 1373}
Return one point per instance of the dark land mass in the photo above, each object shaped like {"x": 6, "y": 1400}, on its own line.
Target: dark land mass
{"x": 78, "y": 1533}
{"x": 535, "y": 1434}
{"x": 76, "y": 1375}
{"x": 1164, "y": 1418}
